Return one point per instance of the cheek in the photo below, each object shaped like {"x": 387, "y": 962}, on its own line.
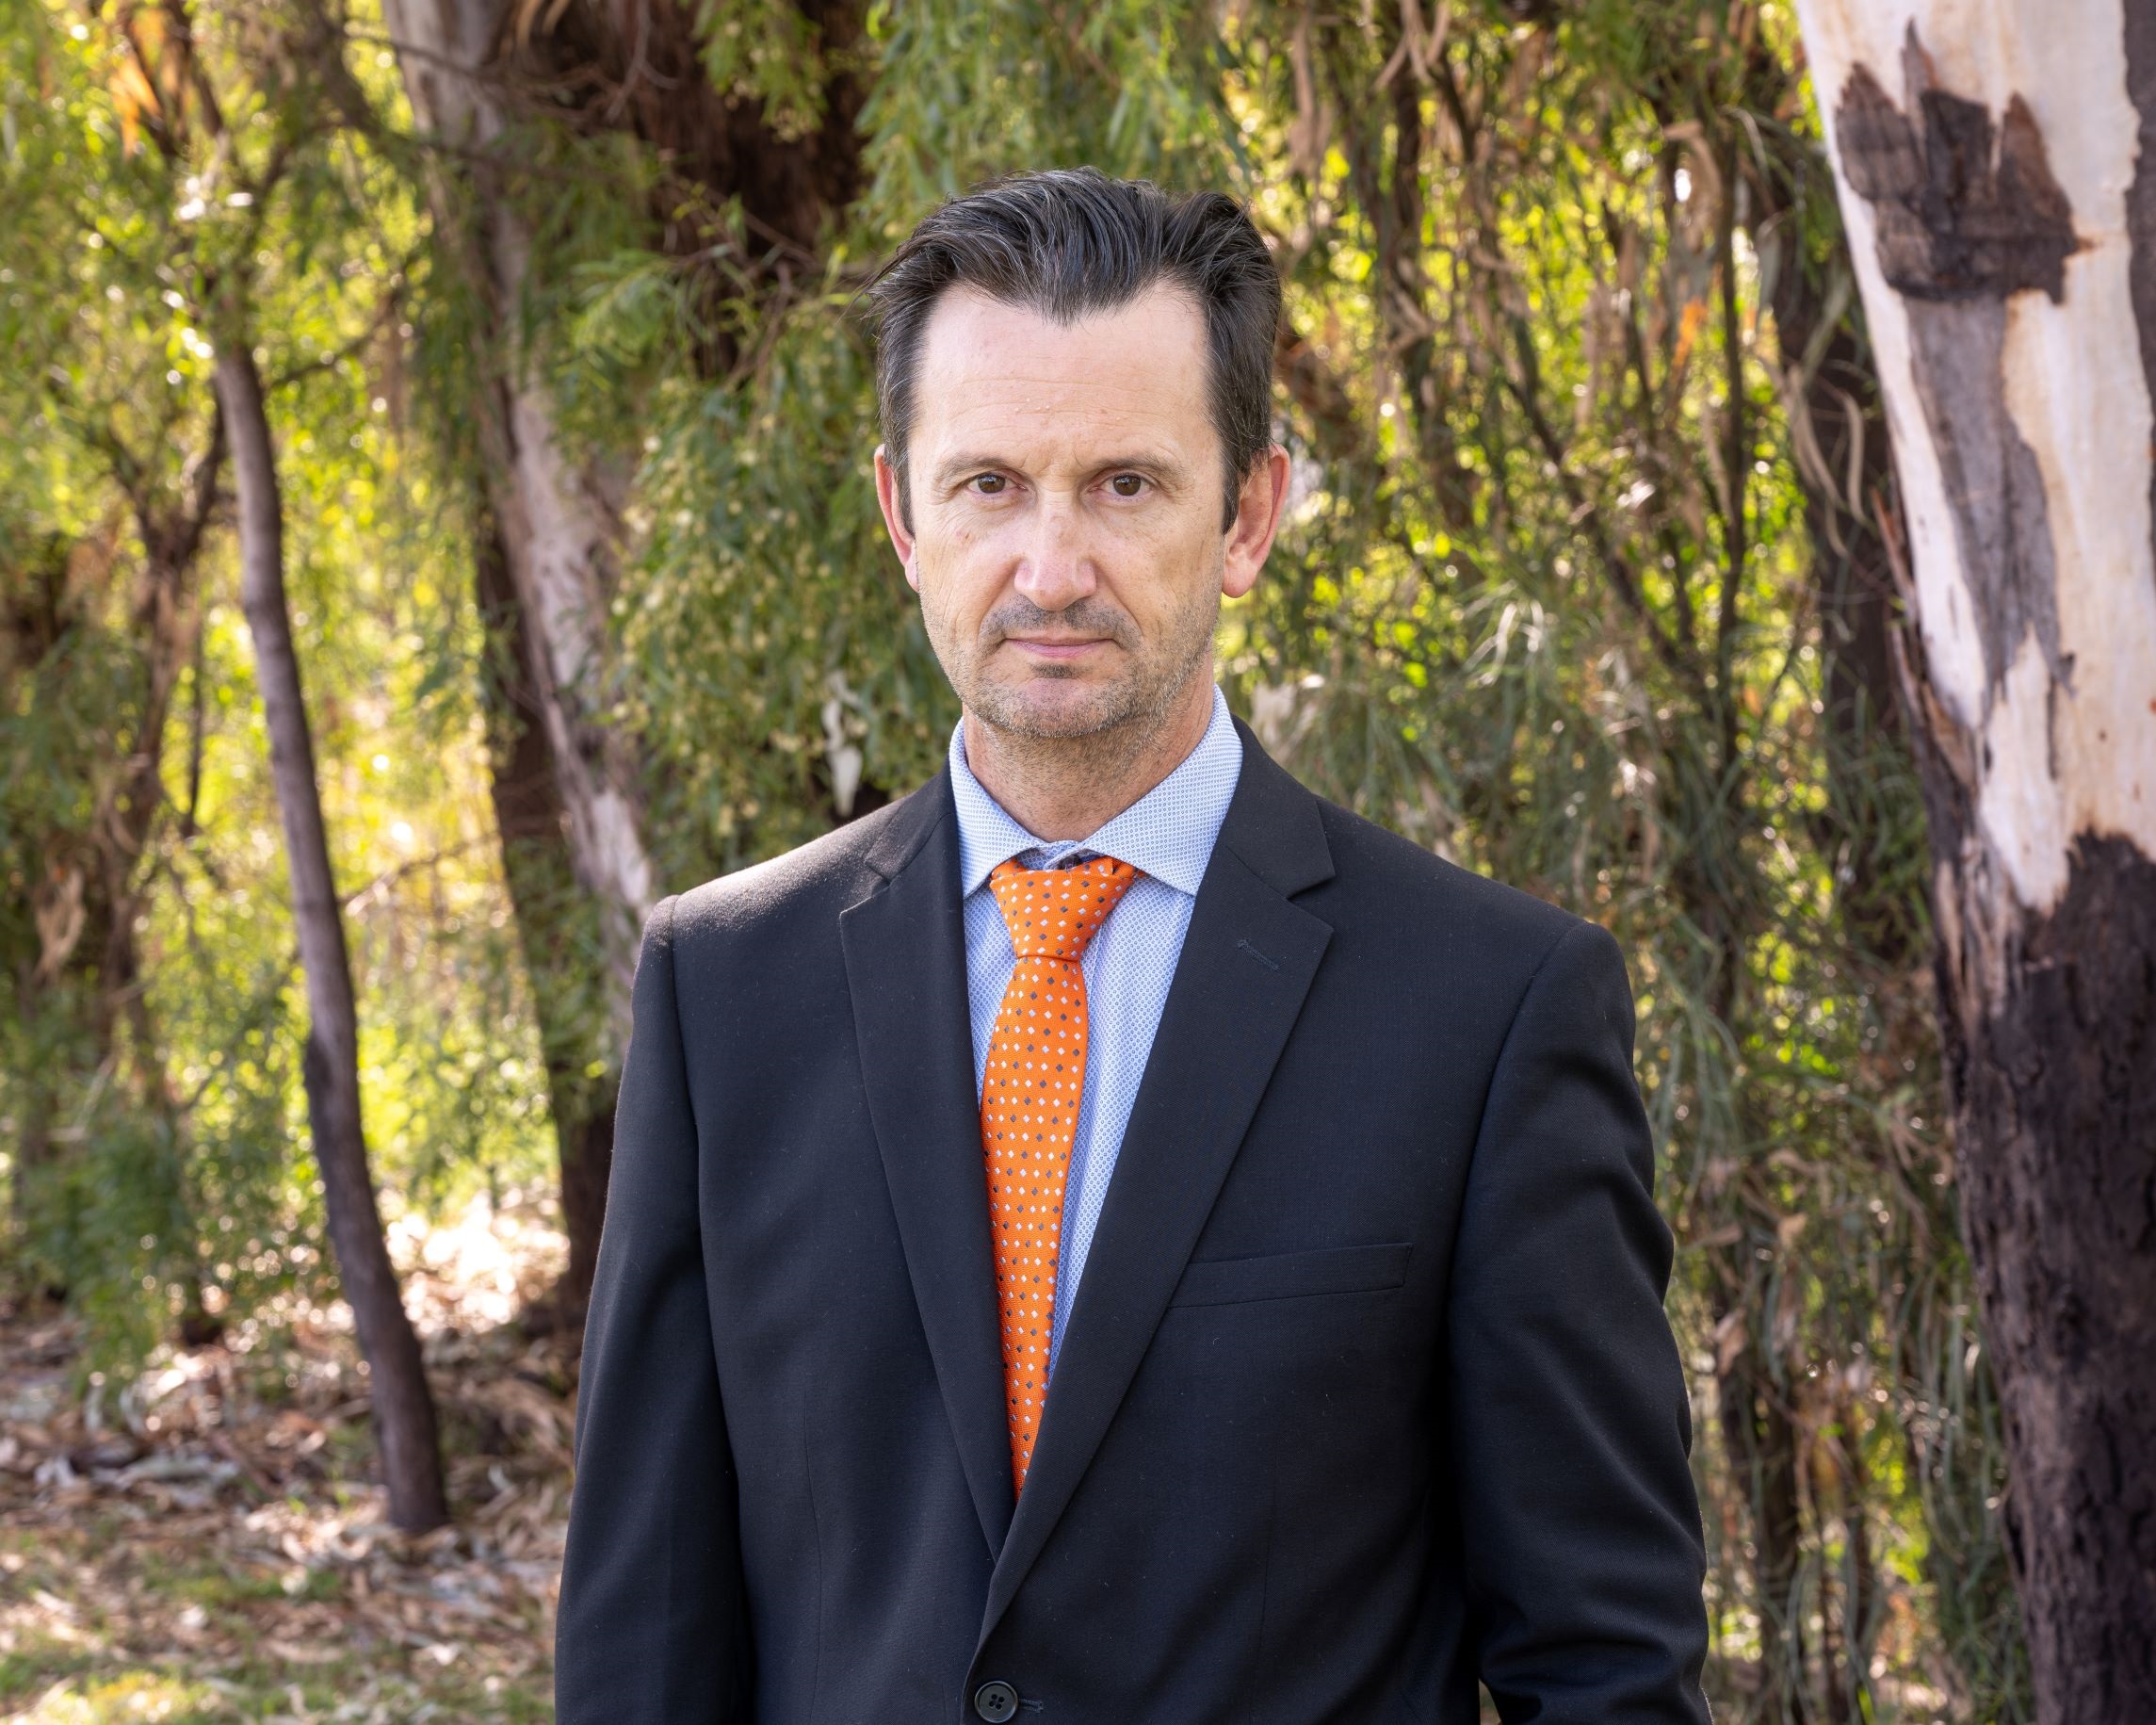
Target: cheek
{"x": 1183, "y": 537}
{"x": 957, "y": 565}
{"x": 1164, "y": 566}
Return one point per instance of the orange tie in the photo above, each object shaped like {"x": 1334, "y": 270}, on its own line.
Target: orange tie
{"x": 1029, "y": 1109}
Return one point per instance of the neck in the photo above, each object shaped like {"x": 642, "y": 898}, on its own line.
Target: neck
{"x": 1067, "y": 787}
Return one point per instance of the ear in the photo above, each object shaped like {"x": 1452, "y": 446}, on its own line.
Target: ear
{"x": 889, "y": 501}
{"x": 1256, "y": 521}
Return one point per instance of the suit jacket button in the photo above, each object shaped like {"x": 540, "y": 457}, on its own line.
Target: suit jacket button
{"x": 995, "y": 1702}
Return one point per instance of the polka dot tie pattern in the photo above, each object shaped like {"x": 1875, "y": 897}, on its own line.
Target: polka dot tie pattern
{"x": 1029, "y": 1108}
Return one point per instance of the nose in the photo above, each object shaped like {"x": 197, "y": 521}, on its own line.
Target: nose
{"x": 1056, "y": 568}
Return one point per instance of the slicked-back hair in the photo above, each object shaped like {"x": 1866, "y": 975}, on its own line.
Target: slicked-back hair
{"x": 1067, "y": 243}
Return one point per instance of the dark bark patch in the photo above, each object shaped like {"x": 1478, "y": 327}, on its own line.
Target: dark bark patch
{"x": 1992, "y": 480}
{"x": 2055, "y": 1092}
{"x": 1967, "y": 214}
{"x": 550, "y": 912}
{"x": 317, "y": 1077}
{"x": 1965, "y": 209}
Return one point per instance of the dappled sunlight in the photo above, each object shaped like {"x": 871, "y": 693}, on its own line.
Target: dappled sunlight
{"x": 476, "y": 1268}
{"x": 137, "y": 1695}
{"x": 206, "y": 1539}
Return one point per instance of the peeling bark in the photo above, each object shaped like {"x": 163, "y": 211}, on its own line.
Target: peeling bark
{"x": 2008, "y": 268}
{"x": 557, "y": 531}
{"x": 1966, "y": 210}
{"x": 1962, "y": 228}
{"x": 403, "y": 1407}
{"x": 547, "y": 569}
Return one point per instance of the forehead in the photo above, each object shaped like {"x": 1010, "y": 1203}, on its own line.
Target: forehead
{"x": 1011, "y": 377}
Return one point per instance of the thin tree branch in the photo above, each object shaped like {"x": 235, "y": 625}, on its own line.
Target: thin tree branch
{"x": 1587, "y": 516}
{"x": 418, "y": 865}
{"x": 391, "y": 304}
{"x": 1737, "y": 464}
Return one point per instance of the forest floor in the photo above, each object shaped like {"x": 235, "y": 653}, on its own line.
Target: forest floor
{"x": 206, "y": 1542}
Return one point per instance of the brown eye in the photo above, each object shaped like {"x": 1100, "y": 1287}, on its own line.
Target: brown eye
{"x": 1127, "y": 484}
{"x": 990, "y": 484}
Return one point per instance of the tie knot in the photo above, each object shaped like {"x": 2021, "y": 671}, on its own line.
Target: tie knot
{"x": 1054, "y": 913}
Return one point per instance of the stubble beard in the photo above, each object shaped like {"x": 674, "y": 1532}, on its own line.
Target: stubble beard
{"x": 1092, "y": 742}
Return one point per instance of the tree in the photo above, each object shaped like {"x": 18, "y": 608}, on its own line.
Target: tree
{"x": 546, "y": 552}
{"x": 549, "y": 540}
{"x": 404, "y": 1406}
{"x": 234, "y": 131}
{"x": 538, "y": 870}
{"x": 1997, "y": 170}
{"x": 86, "y": 905}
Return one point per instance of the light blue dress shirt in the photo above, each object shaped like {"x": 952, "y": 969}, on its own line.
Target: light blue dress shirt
{"x": 1167, "y": 835}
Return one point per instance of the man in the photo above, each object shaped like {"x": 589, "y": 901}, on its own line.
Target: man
{"x": 1114, "y": 1238}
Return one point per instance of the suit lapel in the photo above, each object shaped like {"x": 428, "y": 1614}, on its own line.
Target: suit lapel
{"x": 1247, "y": 963}
{"x": 905, "y": 968}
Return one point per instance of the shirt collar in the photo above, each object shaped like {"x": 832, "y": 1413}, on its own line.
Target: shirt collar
{"x": 1168, "y": 833}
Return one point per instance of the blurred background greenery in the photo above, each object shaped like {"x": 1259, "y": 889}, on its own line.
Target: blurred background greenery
{"x": 1587, "y": 580}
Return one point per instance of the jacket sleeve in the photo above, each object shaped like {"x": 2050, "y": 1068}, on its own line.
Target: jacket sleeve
{"x": 652, "y": 1629}
{"x": 1579, "y": 1519}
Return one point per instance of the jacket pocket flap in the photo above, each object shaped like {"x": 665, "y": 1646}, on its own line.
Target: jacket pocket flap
{"x": 1279, "y": 1276}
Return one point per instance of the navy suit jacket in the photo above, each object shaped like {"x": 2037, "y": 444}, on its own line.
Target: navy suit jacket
{"x": 1367, "y": 1392}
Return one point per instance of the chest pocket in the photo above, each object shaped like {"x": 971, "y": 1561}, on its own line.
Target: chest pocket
{"x": 1287, "y": 1275}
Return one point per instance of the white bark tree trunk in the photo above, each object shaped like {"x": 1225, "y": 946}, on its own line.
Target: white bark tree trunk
{"x": 1997, "y": 167}
{"x": 556, "y": 529}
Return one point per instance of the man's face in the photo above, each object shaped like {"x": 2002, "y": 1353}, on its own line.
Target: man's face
{"x": 1066, "y": 491}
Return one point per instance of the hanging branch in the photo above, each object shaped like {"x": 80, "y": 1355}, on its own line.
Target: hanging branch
{"x": 1737, "y": 465}
{"x": 1526, "y": 391}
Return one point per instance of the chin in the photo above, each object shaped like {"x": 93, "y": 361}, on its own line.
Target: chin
{"x": 1051, "y": 707}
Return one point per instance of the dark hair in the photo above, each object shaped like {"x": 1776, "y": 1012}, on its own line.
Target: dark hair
{"x": 1070, "y": 241}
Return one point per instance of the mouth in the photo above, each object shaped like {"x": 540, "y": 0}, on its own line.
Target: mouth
{"x": 1059, "y": 649}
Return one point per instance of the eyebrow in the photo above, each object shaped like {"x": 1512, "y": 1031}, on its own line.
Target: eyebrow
{"x": 1161, "y": 467}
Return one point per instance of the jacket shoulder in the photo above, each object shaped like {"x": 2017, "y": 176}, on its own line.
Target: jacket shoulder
{"x": 1412, "y": 888}
{"x": 815, "y": 879}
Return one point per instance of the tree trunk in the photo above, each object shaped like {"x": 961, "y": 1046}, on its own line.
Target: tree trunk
{"x": 553, "y": 537}
{"x": 548, "y": 902}
{"x": 557, "y": 532}
{"x": 403, "y": 1407}
{"x": 1997, "y": 177}
{"x": 39, "y": 612}
{"x": 565, "y": 782}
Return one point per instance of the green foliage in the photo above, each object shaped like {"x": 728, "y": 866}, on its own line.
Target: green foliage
{"x": 767, "y": 52}
{"x": 768, "y": 611}
{"x": 963, "y": 96}
{"x": 149, "y": 1100}
{"x": 1547, "y": 601}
